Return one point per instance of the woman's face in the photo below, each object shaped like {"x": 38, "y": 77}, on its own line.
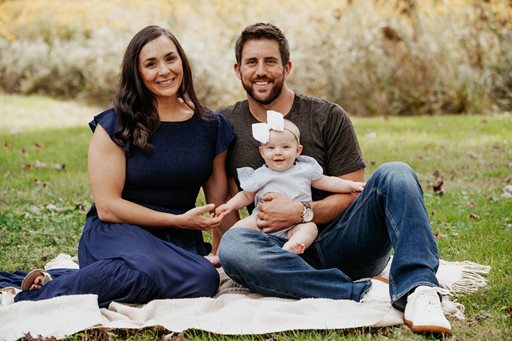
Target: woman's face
{"x": 161, "y": 68}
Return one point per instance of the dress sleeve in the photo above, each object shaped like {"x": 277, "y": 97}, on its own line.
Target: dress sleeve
{"x": 248, "y": 179}
{"x": 315, "y": 170}
{"x": 224, "y": 134}
{"x": 108, "y": 120}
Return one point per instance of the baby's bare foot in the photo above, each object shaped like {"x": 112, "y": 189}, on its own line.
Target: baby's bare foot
{"x": 297, "y": 248}
{"x": 214, "y": 259}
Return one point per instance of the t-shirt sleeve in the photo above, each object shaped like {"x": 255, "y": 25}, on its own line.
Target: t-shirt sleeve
{"x": 315, "y": 171}
{"x": 225, "y": 134}
{"x": 343, "y": 151}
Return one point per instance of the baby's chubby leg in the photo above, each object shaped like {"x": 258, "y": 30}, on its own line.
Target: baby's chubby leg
{"x": 248, "y": 222}
{"x": 300, "y": 237}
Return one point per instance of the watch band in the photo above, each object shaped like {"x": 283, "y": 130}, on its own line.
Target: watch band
{"x": 307, "y": 212}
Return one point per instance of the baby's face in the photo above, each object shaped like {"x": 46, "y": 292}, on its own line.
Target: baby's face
{"x": 281, "y": 150}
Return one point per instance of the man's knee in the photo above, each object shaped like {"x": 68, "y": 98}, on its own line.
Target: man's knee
{"x": 393, "y": 168}
{"x": 395, "y": 173}
{"x": 230, "y": 244}
{"x": 239, "y": 249}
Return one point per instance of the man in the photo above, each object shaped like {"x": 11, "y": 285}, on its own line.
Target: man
{"x": 357, "y": 232}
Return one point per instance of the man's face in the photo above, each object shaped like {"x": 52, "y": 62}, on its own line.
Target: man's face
{"x": 261, "y": 70}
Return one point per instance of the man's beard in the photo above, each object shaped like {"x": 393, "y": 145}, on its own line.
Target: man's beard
{"x": 274, "y": 92}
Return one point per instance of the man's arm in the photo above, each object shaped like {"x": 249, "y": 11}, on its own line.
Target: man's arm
{"x": 276, "y": 211}
{"x": 333, "y": 206}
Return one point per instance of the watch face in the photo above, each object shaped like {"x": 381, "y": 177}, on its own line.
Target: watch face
{"x": 308, "y": 215}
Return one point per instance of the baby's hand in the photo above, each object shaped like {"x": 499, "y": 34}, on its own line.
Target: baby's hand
{"x": 222, "y": 210}
{"x": 358, "y": 186}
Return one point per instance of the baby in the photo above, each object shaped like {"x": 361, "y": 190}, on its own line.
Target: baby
{"x": 287, "y": 172}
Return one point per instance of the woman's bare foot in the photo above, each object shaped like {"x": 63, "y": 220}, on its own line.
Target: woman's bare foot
{"x": 297, "y": 248}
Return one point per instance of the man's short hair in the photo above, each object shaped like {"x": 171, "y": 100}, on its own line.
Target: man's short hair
{"x": 263, "y": 31}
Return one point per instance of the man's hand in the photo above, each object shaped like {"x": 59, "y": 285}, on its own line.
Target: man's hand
{"x": 276, "y": 212}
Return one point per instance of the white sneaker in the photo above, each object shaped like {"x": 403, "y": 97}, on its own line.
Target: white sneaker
{"x": 378, "y": 292}
{"x": 423, "y": 312}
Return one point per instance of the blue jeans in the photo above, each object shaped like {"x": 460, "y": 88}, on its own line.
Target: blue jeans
{"x": 389, "y": 214}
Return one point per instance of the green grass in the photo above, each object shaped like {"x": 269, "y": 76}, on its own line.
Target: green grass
{"x": 42, "y": 207}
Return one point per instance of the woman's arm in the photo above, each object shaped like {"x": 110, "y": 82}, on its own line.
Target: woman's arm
{"x": 216, "y": 191}
{"x": 216, "y": 187}
{"x": 106, "y": 166}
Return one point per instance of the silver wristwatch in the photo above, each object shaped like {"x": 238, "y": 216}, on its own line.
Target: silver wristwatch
{"x": 307, "y": 212}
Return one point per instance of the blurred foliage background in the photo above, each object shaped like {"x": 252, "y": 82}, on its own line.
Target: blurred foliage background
{"x": 374, "y": 57}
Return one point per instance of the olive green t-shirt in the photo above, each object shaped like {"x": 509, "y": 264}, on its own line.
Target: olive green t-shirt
{"x": 326, "y": 133}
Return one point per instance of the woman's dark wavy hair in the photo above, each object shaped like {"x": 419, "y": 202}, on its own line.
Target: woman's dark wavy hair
{"x": 135, "y": 105}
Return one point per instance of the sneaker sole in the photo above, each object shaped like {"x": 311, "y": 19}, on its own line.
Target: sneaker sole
{"x": 381, "y": 279}
{"x": 428, "y": 329}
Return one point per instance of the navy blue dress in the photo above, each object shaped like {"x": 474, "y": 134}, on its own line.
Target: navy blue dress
{"x": 135, "y": 264}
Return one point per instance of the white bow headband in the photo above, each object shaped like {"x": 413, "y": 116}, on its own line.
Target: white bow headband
{"x": 275, "y": 121}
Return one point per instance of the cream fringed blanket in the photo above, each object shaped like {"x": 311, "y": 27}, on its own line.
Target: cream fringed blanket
{"x": 234, "y": 311}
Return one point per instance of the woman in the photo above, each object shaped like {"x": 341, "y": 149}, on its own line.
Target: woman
{"x": 148, "y": 158}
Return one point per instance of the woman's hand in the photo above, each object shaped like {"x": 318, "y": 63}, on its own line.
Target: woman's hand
{"x": 199, "y": 218}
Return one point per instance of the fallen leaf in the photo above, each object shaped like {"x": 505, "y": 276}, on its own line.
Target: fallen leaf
{"x": 473, "y": 155}
{"x": 51, "y": 207}
{"x": 80, "y": 208}
{"x": 437, "y": 182}
{"x": 59, "y": 166}
{"x": 474, "y": 217}
{"x": 40, "y": 184}
{"x": 481, "y": 317}
{"x": 438, "y": 235}
{"x": 38, "y": 164}
{"x": 507, "y": 191}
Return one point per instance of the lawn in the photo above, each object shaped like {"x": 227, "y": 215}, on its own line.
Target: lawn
{"x": 44, "y": 195}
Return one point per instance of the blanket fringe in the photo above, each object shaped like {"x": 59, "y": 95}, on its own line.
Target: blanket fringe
{"x": 451, "y": 308}
{"x": 471, "y": 279}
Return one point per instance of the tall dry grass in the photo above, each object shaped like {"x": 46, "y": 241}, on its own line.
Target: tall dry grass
{"x": 399, "y": 57}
